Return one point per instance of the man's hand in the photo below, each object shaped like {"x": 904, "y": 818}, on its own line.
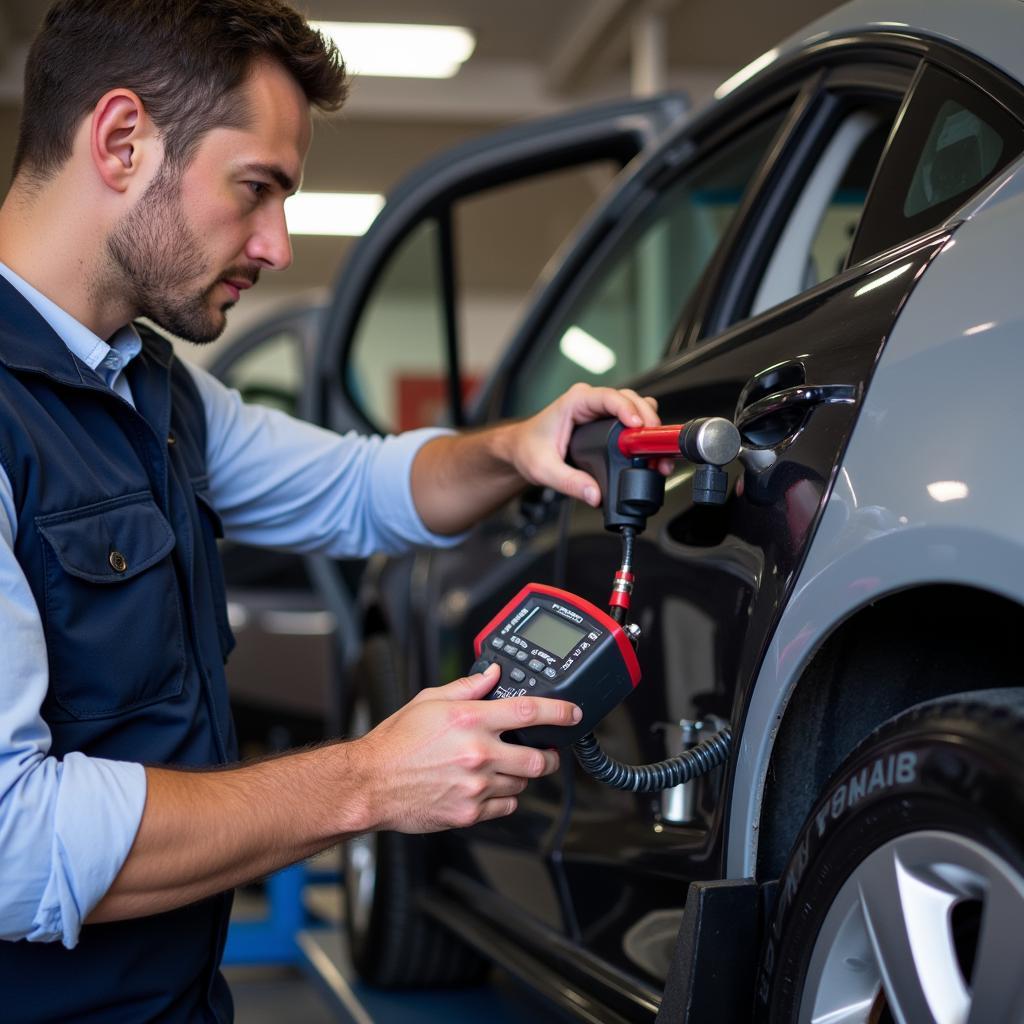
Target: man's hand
{"x": 439, "y": 763}
{"x": 538, "y": 446}
{"x": 457, "y": 480}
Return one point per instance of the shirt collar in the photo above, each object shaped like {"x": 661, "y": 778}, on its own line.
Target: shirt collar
{"x": 106, "y": 358}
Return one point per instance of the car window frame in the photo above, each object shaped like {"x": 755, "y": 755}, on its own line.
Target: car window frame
{"x": 615, "y": 130}
{"x": 746, "y": 255}
{"x": 896, "y": 49}
{"x": 893, "y": 171}
{"x": 599, "y": 241}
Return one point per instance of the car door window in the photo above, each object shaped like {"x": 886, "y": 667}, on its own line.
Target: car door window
{"x": 951, "y": 139}
{"x": 624, "y": 319}
{"x": 269, "y": 372}
{"x": 400, "y": 345}
{"x": 398, "y": 368}
{"x": 819, "y": 230}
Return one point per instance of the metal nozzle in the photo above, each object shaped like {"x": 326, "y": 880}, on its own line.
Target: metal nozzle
{"x": 714, "y": 441}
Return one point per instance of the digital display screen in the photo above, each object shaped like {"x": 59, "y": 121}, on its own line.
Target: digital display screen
{"x": 552, "y": 633}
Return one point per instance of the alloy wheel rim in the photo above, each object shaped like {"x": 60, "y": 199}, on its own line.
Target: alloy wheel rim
{"x": 360, "y": 879}
{"x": 894, "y": 944}
{"x": 360, "y": 857}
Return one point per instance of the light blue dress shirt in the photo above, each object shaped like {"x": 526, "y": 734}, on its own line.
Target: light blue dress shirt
{"x": 66, "y": 826}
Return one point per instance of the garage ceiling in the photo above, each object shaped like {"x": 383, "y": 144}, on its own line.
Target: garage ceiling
{"x": 533, "y": 57}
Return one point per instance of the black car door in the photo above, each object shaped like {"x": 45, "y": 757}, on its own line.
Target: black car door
{"x": 782, "y": 338}
{"x": 414, "y": 308}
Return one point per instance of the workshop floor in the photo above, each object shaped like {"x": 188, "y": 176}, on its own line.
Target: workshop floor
{"x": 327, "y": 991}
{"x": 272, "y": 995}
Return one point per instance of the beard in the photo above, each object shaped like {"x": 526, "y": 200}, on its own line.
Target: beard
{"x": 157, "y": 259}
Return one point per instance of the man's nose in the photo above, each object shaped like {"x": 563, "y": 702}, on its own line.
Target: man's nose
{"x": 270, "y": 244}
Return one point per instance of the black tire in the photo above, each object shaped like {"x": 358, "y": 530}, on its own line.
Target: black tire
{"x": 393, "y": 944}
{"x": 929, "y": 809}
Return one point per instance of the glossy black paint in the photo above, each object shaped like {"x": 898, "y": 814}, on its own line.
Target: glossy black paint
{"x": 711, "y": 583}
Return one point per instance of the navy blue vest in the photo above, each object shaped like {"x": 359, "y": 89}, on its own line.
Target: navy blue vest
{"x": 117, "y": 538}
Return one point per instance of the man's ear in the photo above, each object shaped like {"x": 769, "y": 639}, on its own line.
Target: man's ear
{"x": 121, "y": 139}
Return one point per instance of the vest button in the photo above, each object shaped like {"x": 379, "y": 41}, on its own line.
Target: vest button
{"x": 171, "y": 440}
{"x": 118, "y": 562}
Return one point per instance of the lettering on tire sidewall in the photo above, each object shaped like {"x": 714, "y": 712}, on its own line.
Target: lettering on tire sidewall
{"x": 881, "y": 776}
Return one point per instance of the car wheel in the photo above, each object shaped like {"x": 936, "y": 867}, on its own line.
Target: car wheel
{"x": 903, "y": 900}
{"x": 392, "y": 943}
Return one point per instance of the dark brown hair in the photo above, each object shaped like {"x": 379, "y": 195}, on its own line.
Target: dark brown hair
{"x": 184, "y": 58}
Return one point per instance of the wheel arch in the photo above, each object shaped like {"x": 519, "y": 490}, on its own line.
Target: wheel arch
{"x": 907, "y": 647}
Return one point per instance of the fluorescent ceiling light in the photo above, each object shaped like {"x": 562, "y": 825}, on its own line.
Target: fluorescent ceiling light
{"x": 948, "y": 490}
{"x": 981, "y": 328}
{"x": 331, "y": 213}
{"x": 586, "y": 351}
{"x": 400, "y": 51}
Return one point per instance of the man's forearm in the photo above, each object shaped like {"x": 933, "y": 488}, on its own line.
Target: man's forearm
{"x": 459, "y": 479}
{"x": 205, "y": 832}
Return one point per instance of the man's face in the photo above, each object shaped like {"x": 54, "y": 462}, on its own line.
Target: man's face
{"x": 198, "y": 237}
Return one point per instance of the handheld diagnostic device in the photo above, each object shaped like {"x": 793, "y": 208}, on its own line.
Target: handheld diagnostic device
{"x": 551, "y": 643}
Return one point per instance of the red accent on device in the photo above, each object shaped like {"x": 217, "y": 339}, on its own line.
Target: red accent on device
{"x": 621, "y": 598}
{"x": 639, "y": 442}
{"x": 599, "y": 616}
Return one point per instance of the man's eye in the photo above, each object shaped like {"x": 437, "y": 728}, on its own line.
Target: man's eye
{"x": 258, "y": 188}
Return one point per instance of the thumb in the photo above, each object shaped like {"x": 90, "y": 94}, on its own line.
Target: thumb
{"x": 577, "y": 484}
{"x": 471, "y": 687}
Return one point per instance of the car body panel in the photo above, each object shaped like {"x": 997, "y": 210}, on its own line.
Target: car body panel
{"x": 991, "y": 28}
{"x": 943, "y": 506}
{"x": 717, "y": 579}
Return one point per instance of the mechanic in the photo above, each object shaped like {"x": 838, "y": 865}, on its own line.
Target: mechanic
{"x": 157, "y": 146}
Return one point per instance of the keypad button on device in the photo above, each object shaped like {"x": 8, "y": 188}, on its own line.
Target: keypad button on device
{"x": 518, "y": 675}
{"x": 521, "y": 655}
{"x": 550, "y": 673}
{"x": 498, "y": 644}
{"x": 536, "y": 665}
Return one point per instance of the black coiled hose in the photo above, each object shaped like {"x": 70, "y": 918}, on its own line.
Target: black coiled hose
{"x": 652, "y": 778}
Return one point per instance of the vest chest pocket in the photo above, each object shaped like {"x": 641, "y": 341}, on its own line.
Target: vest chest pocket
{"x": 112, "y": 612}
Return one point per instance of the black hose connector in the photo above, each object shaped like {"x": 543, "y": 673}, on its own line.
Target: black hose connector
{"x": 653, "y": 778}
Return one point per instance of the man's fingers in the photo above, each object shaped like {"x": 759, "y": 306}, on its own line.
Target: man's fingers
{"x": 499, "y": 807}
{"x": 626, "y": 405}
{"x": 507, "y": 785}
{"x": 468, "y": 688}
{"x": 520, "y": 712}
{"x": 525, "y": 762}
{"x": 574, "y": 482}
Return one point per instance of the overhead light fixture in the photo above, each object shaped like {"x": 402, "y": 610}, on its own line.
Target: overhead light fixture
{"x": 586, "y": 351}
{"x": 331, "y": 213}
{"x": 948, "y": 490}
{"x": 400, "y": 51}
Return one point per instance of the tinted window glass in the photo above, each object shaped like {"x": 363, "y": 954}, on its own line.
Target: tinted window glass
{"x": 500, "y": 240}
{"x": 950, "y": 141}
{"x": 818, "y": 233}
{"x": 623, "y": 321}
{"x": 960, "y": 152}
{"x": 397, "y": 368}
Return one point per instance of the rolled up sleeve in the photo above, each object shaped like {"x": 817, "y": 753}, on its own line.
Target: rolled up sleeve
{"x": 280, "y": 482}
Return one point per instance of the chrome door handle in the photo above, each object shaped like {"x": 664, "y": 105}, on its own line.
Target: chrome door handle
{"x": 792, "y": 401}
